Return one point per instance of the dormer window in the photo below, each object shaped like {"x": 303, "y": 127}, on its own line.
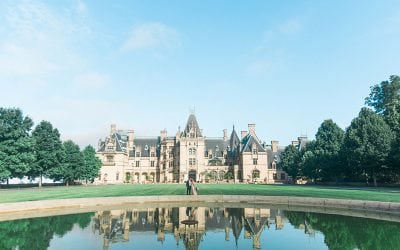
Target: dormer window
{"x": 254, "y": 147}
{"x": 146, "y": 147}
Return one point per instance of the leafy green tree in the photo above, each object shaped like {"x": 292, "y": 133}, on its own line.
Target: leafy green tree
{"x": 71, "y": 167}
{"x": 92, "y": 164}
{"x": 47, "y": 148}
{"x": 367, "y": 144}
{"x": 310, "y": 162}
{"x": 290, "y": 161}
{"x": 16, "y": 152}
{"x": 385, "y": 99}
{"x": 328, "y": 143}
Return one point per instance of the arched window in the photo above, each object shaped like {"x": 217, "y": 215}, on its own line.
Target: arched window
{"x": 256, "y": 173}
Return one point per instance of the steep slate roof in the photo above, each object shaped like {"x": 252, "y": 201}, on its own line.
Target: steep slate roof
{"x": 234, "y": 143}
{"x": 216, "y": 143}
{"x": 145, "y": 145}
{"x": 273, "y": 155}
{"x": 119, "y": 139}
{"x": 192, "y": 123}
{"x": 248, "y": 141}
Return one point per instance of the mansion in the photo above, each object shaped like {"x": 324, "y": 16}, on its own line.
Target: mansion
{"x": 127, "y": 158}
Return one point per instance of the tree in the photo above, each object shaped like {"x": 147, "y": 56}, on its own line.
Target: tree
{"x": 367, "y": 144}
{"x": 47, "y": 148}
{"x": 91, "y": 165}
{"x": 328, "y": 143}
{"x": 16, "y": 153}
{"x": 71, "y": 165}
{"x": 290, "y": 160}
{"x": 311, "y": 164}
{"x": 385, "y": 99}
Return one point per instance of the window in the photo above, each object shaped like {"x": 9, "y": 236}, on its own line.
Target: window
{"x": 137, "y": 163}
{"x": 152, "y": 164}
{"x": 283, "y": 176}
{"x": 254, "y": 161}
{"x": 110, "y": 147}
{"x": 256, "y": 174}
{"x": 110, "y": 159}
{"x": 192, "y": 161}
{"x": 117, "y": 176}
{"x": 192, "y": 151}
{"x": 138, "y": 154}
{"x": 274, "y": 176}
{"x": 152, "y": 154}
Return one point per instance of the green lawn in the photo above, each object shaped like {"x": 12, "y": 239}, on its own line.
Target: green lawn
{"x": 48, "y": 193}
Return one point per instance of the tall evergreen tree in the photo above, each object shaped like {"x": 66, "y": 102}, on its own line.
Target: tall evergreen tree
{"x": 92, "y": 164}
{"x": 48, "y": 150}
{"x": 367, "y": 144}
{"x": 16, "y": 154}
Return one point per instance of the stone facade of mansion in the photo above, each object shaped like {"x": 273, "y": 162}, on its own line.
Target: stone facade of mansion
{"x": 128, "y": 158}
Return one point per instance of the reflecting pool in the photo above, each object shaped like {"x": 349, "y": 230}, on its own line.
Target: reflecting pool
{"x": 199, "y": 228}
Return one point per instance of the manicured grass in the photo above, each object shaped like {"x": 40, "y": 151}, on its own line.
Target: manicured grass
{"x": 48, "y": 193}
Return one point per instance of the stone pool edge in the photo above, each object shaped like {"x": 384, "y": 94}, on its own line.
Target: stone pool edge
{"x": 41, "y": 208}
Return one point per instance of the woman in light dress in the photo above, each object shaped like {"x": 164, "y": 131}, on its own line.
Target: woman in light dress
{"x": 194, "y": 190}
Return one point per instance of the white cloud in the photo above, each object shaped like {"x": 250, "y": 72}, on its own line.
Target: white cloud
{"x": 290, "y": 26}
{"x": 92, "y": 80}
{"x": 259, "y": 68}
{"x": 152, "y": 35}
{"x": 37, "y": 41}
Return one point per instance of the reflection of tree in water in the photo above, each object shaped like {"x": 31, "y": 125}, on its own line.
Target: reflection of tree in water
{"x": 36, "y": 233}
{"x": 343, "y": 232}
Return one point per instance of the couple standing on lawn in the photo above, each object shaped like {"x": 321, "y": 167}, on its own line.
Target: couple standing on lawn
{"x": 191, "y": 187}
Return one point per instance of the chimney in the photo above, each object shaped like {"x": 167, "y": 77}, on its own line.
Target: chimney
{"x": 163, "y": 134}
{"x": 131, "y": 134}
{"x": 113, "y": 129}
{"x": 274, "y": 146}
{"x": 252, "y": 128}
{"x": 225, "y": 134}
{"x": 243, "y": 133}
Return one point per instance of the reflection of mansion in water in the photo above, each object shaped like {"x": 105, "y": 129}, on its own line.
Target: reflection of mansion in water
{"x": 127, "y": 158}
{"x": 117, "y": 225}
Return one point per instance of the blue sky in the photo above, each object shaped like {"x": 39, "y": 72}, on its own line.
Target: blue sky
{"x": 285, "y": 66}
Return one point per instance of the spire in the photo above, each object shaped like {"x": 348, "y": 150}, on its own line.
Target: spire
{"x": 192, "y": 128}
{"x": 234, "y": 140}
